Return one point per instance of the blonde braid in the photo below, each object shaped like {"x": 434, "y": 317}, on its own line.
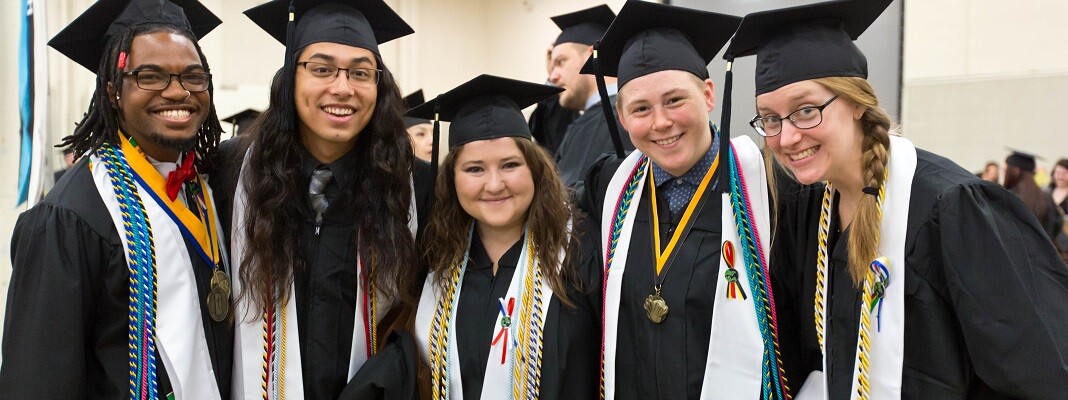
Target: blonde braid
{"x": 875, "y": 125}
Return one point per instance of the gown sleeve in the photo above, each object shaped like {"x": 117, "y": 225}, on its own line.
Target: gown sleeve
{"x": 389, "y": 375}
{"x": 56, "y": 259}
{"x": 1008, "y": 287}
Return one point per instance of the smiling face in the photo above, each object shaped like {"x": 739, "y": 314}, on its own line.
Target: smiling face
{"x": 333, "y": 111}
{"x": 666, "y": 114}
{"x": 830, "y": 151}
{"x": 1060, "y": 176}
{"x": 163, "y": 122}
{"x": 494, "y": 184}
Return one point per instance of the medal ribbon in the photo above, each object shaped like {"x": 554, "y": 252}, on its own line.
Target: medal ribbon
{"x": 662, "y": 257}
{"x": 205, "y": 238}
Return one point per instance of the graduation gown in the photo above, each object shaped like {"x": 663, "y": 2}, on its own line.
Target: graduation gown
{"x": 666, "y": 360}
{"x": 66, "y": 327}
{"x": 587, "y": 139}
{"x": 570, "y": 335}
{"x": 549, "y": 122}
{"x": 325, "y": 289}
{"x": 986, "y": 297}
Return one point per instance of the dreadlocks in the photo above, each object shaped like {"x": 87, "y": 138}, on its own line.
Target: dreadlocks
{"x": 100, "y": 124}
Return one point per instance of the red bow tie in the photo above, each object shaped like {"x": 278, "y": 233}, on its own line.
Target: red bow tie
{"x": 185, "y": 173}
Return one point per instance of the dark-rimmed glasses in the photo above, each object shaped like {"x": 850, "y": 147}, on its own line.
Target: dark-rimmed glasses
{"x": 802, "y": 118}
{"x": 148, "y": 79}
{"x": 328, "y": 72}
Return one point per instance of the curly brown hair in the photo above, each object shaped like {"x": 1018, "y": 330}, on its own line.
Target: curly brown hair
{"x": 547, "y": 217}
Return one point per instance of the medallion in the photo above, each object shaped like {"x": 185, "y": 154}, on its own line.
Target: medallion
{"x": 219, "y": 296}
{"x": 656, "y": 308}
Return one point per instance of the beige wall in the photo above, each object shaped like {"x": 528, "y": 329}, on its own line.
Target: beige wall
{"x": 980, "y": 75}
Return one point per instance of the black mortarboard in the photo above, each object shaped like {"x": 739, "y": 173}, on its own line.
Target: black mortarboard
{"x": 584, "y": 26}
{"x": 242, "y": 119}
{"x": 359, "y": 23}
{"x": 487, "y": 107}
{"x": 1021, "y": 159}
{"x": 806, "y": 42}
{"x": 649, "y": 37}
{"x": 85, "y": 38}
{"x": 412, "y": 101}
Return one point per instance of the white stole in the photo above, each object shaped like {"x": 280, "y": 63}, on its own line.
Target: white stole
{"x": 733, "y": 363}
{"x": 249, "y": 337}
{"x": 498, "y": 379}
{"x": 888, "y": 340}
{"x": 180, "y": 338}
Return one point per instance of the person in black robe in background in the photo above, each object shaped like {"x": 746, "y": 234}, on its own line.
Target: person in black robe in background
{"x": 587, "y": 137}
{"x": 548, "y": 123}
{"x": 67, "y": 330}
{"x": 708, "y": 345}
{"x": 325, "y": 193}
{"x": 951, "y": 279}
{"x": 1020, "y": 179}
{"x": 500, "y": 205}
{"x": 549, "y": 120}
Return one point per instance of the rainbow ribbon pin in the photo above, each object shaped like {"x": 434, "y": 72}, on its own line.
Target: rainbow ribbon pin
{"x": 734, "y": 288}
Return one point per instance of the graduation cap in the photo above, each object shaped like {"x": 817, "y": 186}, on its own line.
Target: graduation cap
{"x": 806, "y": 42}
{"x": 487, "y": 107}
{"x": 649, "y": 37}
{"x": 359, "y": 23}
{"x": 1021, "y": 159}
{"x": 584, "y": 26}
{"x": 242, "y": 119}
{"x": 85, "y": 38}
{"x": 411, "y": 101}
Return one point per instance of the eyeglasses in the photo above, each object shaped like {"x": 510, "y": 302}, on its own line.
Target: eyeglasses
{"x": 327, "y": 73}
{"x": 159, "y": 80}
{"x": 802, "y": 118}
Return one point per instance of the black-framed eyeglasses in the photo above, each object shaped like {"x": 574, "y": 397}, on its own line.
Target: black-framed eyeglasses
{"x": 148, "y": 79}
{"x": 328, "y": 72}
{"x": 802, "y": 118}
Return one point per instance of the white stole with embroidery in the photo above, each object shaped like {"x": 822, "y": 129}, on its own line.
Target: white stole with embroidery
{"x": 733, "y": 363}
{"x": 180, "y": 339}
{"x": 249, "y": 338}
{"x": 497, "y": 383}
{"x": 887, "y": 334}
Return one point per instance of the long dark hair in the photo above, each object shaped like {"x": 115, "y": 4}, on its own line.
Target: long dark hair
{"x": 276, "y": 191}
{"x": 100, "y": 124}
{"x": 547, "y": 217}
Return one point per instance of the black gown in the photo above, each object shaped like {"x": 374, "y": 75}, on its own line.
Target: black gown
{"x": 326, "y": 289}
{"x": 66, "y": 328}
{"x": 571, "y": 335}
{"x": 587, "y": 139}
{"x": 548, "y": 123}
{"x": 986, "y": 296}
{"x": 664, "y": 361}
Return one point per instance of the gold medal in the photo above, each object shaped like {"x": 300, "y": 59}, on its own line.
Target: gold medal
{"x": 219, "y": 296}
{"x": 656, "y": 308}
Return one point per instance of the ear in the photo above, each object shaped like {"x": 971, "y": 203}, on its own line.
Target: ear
{"x": 709, "y": 89}
{"x": 112, "y": 95}
{"x": 859, "y": 111}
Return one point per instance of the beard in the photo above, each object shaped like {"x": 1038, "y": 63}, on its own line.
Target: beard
{"x": 182, "y": 145}
{"x": 575, "y": 96}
